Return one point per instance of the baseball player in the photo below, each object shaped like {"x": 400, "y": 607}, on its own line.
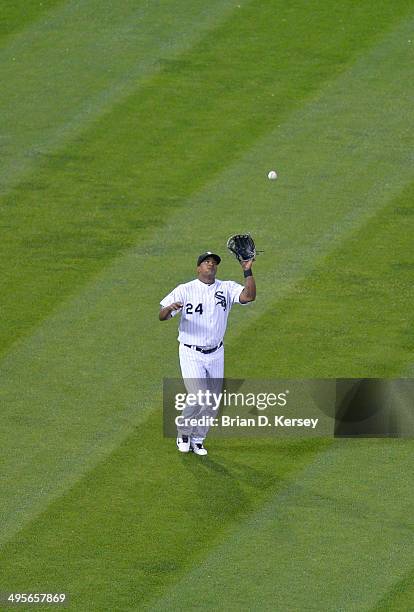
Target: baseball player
{"x": 204, "y": 304}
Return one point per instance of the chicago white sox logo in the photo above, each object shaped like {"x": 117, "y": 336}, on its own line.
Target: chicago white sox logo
{"x": 221, "y": 299}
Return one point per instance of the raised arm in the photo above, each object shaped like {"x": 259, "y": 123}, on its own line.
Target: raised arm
{"x": 249, "y": 292}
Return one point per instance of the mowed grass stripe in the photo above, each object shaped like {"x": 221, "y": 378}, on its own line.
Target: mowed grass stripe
{"x": 17, "y": 14}
{"x": 93, "y": 373}
{"x": 399, "y": 597}
{"x": 66, "y": 71}
{"x": 100, "y": 360}
{"x": 145, "y": 515}
{"x": 349, "y": 316}
{"x": 117, "y": 184}
{"x": 334, "y": 539}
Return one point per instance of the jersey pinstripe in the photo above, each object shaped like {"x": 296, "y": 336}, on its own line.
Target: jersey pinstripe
{"x": 205, "y": 310}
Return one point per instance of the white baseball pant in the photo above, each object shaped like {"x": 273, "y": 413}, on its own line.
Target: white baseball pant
{"x": 200, "y": 372}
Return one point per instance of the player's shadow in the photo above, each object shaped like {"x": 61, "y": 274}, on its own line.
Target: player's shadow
{"x": 215, "y": 466}
{"x": 229, "y": 488}
{"x": 199, "y": 465}
{"x": 215, "y": 484}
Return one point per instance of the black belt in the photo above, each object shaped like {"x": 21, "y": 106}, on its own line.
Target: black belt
{"x": 205, "y": 351}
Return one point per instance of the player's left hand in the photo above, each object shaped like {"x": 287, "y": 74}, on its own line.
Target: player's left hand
{"x": 246, "y": 265}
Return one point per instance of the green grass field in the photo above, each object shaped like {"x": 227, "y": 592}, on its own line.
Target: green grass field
{"x": 135, "y": 135}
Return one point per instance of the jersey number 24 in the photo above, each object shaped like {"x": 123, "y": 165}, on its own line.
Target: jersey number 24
{"x": 189, "y": 309}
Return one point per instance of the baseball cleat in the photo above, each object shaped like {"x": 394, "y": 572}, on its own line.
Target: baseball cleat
{"x": 198, "y": 448}
{"x": 183, "y": 444}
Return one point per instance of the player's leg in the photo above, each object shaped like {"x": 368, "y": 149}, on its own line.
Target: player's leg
{"x": 191, "y": 364}
{"x": 194, "y": 376}
{"x": 214, "y": 365}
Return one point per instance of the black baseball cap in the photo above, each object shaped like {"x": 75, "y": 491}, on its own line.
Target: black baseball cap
{"x": 206, "y": 255}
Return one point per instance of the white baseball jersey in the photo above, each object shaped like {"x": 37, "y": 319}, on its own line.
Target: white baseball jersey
{"x": 205, "y": 310}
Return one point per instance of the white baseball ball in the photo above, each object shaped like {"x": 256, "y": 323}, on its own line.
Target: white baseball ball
{"x": 272, "y": 175}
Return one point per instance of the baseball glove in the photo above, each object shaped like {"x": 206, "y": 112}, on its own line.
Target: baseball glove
{"x": 242, "y": 246}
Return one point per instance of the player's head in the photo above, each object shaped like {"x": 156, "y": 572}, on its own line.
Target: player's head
{"x": 207, "y": 266}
